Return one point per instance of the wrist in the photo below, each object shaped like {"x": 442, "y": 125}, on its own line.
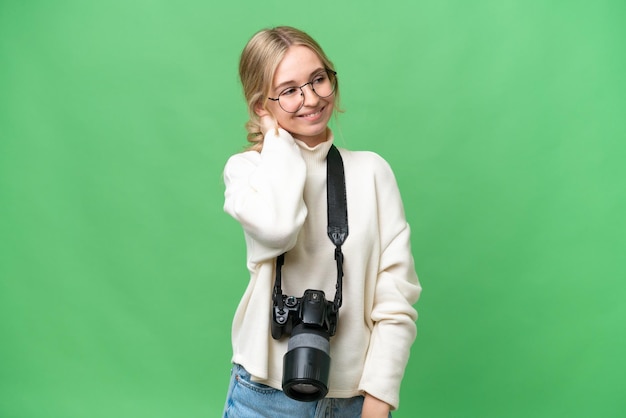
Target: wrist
{"x": 375, "y": 406}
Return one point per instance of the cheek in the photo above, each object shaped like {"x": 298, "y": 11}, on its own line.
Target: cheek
{"x": 273, "y": 109}
{"x": 283, "y": 118}
{"x": 331, "y": 102}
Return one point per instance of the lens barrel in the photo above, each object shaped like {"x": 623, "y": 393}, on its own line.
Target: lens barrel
{"x": 306, "y": 365}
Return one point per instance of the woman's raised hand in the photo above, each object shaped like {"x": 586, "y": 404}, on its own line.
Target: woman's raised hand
{"x": 268, "y": 123}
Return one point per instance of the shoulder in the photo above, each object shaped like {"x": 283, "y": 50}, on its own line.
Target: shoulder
{"x": 366, "y": 161}
{"x": 244, "y": 157}
{"x": 246, "y": 160}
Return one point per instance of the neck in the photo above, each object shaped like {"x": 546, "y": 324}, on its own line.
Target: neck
{"x": 312, "y": 141}
{"x": 315, "y": 157}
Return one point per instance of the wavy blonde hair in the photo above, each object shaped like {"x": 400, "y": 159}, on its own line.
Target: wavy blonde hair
{"x": 257, "y": 66}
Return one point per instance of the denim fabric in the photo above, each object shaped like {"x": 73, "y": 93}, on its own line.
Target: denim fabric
{"x": 247, "y": 399}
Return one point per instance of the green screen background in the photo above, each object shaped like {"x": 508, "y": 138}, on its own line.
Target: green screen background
{"x": 120, "y": 273}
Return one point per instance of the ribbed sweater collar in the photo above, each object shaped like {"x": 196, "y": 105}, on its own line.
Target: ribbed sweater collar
{"x": 315, "y": 158}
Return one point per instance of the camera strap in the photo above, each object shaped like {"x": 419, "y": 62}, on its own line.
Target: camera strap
{"x": 337, "y": 224}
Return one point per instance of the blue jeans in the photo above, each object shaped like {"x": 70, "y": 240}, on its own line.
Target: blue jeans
{"x": 247, "y": 399}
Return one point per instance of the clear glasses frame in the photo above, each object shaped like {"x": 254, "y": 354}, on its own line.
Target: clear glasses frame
{"x": 332, "y": 75}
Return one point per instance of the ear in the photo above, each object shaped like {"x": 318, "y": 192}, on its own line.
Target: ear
{"x": 260, "y": 110}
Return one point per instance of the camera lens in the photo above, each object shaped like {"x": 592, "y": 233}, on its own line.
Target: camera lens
{"x": 305, "y": 388}
{"x": 306, "y": 364}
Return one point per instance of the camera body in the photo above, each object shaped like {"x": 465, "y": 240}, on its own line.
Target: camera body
{"x": 311, "y": 310}
{"x": 310, "y": 321}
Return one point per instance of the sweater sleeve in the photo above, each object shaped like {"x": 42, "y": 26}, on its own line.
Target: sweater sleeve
{"x": 396, "y": 290}
{"x": 264, "y": 193}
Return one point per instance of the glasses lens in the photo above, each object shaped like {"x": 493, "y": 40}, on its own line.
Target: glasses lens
{"x": 292, "y": 99}
{"x": 324, "y": 84}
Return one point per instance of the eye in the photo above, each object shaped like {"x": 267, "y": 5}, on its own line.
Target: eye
{"x": 320, "y": 78}
{"x": 290, "y": 91}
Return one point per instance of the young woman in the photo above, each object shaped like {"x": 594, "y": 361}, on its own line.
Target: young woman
{"x": 277, "y": 191}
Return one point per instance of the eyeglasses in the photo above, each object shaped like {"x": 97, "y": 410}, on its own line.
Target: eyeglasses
{"x": 323, "y": 84}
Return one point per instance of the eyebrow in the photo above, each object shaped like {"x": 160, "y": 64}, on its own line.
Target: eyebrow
{"x": 292, "y": 82}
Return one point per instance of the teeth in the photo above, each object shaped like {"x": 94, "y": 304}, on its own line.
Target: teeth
{"x": 312, "y": 114}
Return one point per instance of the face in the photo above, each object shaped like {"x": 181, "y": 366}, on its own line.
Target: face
{"x": 299, "y": 66}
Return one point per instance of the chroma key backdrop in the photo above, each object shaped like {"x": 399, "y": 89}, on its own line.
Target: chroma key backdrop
{"x": 504, "y": 121}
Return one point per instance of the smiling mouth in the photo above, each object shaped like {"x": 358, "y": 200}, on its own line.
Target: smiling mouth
{"x": 314, "y": 114}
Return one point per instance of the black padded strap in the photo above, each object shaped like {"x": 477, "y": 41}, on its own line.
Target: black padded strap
{"x": 336, "y": 194}
{"x": 337, "y": 213}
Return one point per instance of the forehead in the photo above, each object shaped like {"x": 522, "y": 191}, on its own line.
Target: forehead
{"x": 297, "y": 65}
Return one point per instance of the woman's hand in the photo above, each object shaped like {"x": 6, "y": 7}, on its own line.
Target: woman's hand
{"x": 267, "y": 124}
{"x": 374, "y": 408}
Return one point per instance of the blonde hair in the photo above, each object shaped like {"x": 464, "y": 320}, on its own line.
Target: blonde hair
{"x": 257, "y": 66}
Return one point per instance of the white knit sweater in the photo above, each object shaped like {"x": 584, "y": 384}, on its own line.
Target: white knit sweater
{"x": 279, "y": 197}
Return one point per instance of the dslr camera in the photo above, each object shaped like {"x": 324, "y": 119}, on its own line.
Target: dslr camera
{"x": 310, "y": 320}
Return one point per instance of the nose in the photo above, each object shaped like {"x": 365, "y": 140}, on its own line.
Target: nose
{"x": 310, "y": 98}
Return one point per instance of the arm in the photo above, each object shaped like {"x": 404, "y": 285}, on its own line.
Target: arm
{"x": 264, "y": 194}
{"x": 396, "y": 290}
